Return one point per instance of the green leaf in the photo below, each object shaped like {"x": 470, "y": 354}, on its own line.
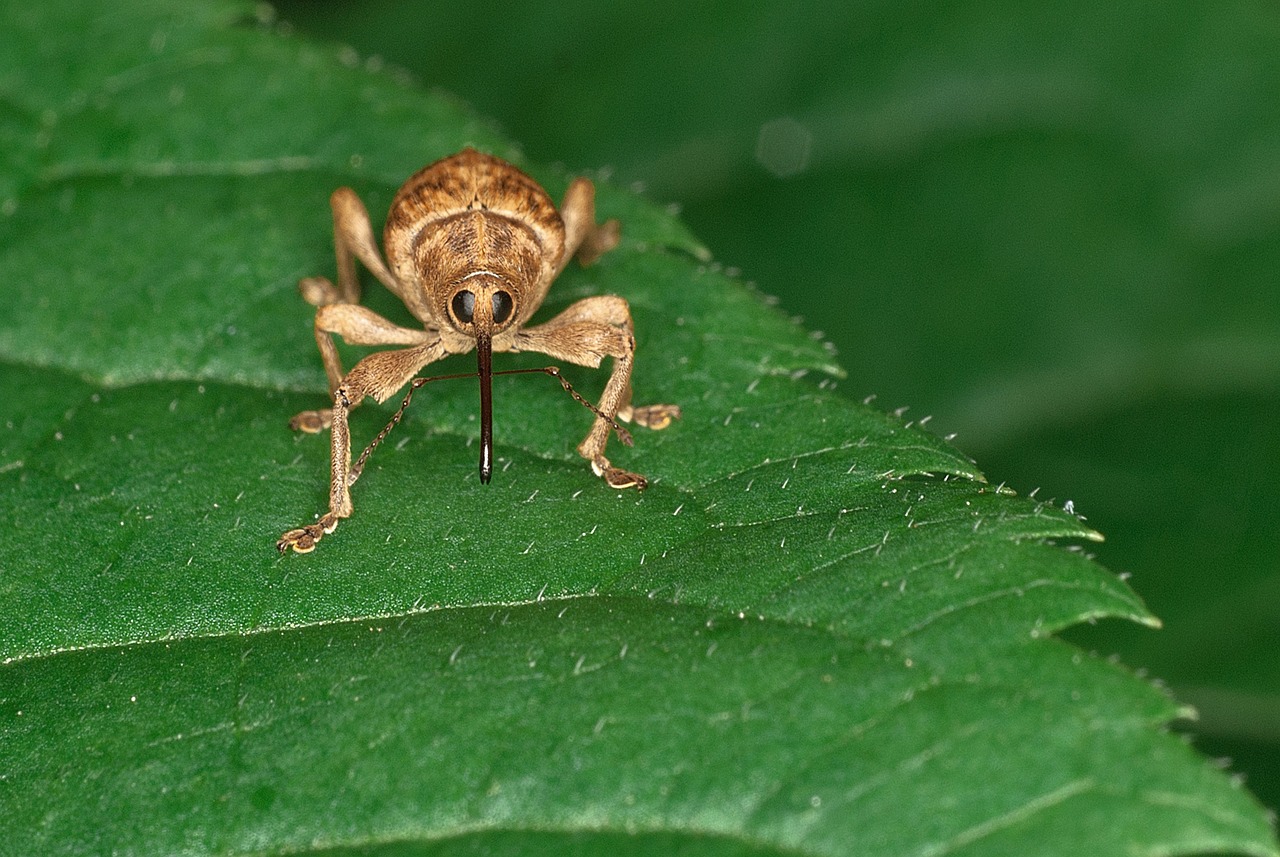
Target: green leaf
{"x": 818, "y": 631}
{"x": 1086, "y": 189}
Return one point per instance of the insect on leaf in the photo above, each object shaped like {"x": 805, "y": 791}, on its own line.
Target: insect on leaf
{"x": 818, "y": 631}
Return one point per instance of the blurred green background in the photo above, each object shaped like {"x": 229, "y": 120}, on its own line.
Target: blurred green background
{"x": 1053, "y": 227}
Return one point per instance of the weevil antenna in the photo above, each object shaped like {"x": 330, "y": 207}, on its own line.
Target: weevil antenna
{"x": 553, "y": 371}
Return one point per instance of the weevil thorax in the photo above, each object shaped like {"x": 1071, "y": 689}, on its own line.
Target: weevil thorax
{"x": 476, "y": 243}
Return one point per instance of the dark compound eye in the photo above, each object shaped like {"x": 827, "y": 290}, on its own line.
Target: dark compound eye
{"x": 464, "y": 306}
{"x": 501, "y": 307}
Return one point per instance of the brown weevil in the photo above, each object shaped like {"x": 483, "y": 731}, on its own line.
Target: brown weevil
{"x": 472, "y": 245}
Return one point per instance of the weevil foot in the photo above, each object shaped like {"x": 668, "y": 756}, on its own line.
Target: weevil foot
{"x": 319, "y": 291}
{"x": 312, "y": 422}
{"x": 616, "y": 477}
{"x": 599, "y": 241}
{"x": 654, "y": 417}
{"x": 303, "y": 539}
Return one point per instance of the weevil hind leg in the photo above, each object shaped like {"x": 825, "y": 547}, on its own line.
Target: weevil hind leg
{"x": 655, "y": 417}
{"x": 319, "y": 291}
{"x": 311, "y": 422}
{"x": 584, "y": 237}
{"x": 353, "y": 239}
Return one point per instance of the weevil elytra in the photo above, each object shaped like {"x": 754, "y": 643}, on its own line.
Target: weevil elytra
{"x": 472, "y": 245}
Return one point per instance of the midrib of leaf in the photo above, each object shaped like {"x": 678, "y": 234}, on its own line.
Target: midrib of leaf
{"x": 913, "y": 692}
{"x": 70, "y": 172}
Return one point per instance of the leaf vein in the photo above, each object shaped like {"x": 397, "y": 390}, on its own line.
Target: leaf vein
{"x": 1014, "y": 816}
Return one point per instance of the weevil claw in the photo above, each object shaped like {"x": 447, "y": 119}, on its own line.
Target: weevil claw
{"x": 656, "y": 417}
{"x": 303, "y": 539}
{"x": 616, "y": 477}
{"x": 312, "y": 422}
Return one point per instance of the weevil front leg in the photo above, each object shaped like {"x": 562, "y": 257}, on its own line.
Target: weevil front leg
{"x": 352, "y": 239}
{"x": 356, "y": 325}
{"x": 378, "y": 375}
{"x": 589, "y": 240}
{"x": 585, "y": 333}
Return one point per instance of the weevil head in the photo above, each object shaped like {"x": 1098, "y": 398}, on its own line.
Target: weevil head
{"x": 481, "y": 307}
{"x": 482, "y": 304}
